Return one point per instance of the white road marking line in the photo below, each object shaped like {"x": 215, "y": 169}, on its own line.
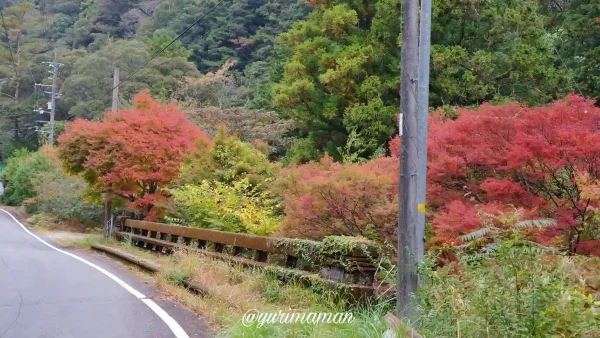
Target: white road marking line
{"x": 171, "y": 323}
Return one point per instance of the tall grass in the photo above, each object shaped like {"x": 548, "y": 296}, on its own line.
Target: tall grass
{"x": 516, "y": 292}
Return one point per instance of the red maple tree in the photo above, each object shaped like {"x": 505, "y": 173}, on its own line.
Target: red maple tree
{"x": 512, "y": 155}
{"x": 328, "y": 198}
{"x": 131, "y": 152}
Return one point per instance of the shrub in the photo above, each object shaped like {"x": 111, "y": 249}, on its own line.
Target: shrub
{"x": 326, "y": 198}
{"x": 65, "y": 197}
{"x": 19, "y": 173}
{"x": 239, "y": 207}
{"x": 226, "y": 159}
{"x": 37, "y": 181}
{"x": 513, "y": 293}
{"x": 500, "y": 227}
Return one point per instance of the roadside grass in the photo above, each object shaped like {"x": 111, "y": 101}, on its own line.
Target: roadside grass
{"x": 60, "y": 232}
{"x": 234, "y": 290}
{"x": 78, "y": 243}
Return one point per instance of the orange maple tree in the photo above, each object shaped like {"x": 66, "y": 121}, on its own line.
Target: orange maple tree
{"x": 131, "y": 152}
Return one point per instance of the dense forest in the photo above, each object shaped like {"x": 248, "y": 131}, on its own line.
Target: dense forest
{"x": 324, "y": 74}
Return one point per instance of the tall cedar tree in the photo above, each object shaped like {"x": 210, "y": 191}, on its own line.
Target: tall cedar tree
{"x": 341, "y": 69}
{"x": 134, "y": 152}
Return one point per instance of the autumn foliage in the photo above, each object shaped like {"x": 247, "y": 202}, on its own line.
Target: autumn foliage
{"x": 328, "y": 198}
{"x": 134, "y": 152}
{"x": 542, "y": 160}
{"x": 511, "y": 155}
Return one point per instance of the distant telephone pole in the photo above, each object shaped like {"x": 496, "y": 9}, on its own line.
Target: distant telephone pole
{"x": 115, "y": 91}
{"x": 54, "y": 94}
{"x": 107, "y": 193}
{"x": 408, "y": 209}
{"x": 53, "y": 105}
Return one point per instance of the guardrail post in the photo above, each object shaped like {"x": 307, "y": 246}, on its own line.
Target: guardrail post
{"x": 238, "y": 251}
{"x": 355, "y": 267}
{"x": 261, "y": 256}
{"x": 121, "y": 220}
{"x": 291, "y": 261}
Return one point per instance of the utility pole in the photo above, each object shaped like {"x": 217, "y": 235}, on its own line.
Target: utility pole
{"x": 54, "y": 94}
{"x": 52, "y": 105}
{"x": 407, "y": 213}
{"x": 115, "y": 91}
{"x": 107, "y": 193}
{"x": 423, "y": 119}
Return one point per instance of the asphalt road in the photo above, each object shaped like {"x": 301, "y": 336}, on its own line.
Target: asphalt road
{"x": 47, "y": 293}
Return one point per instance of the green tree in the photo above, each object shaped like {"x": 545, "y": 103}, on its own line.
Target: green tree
{"x": 162, "y": 38}
{"x": 578, "y": 41}
{"x": 237, "y": 30}
{"x": 487, "y": 50}
{"x": 85, "y": 89}
{"x": 227, "y": 159}
{"x": 341, "y": 70}
{"x": 338, "y": 77}
{"x": 19, "y": 70}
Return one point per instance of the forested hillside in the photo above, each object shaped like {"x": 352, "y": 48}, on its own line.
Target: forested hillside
{"x": 92, "y": 37}
{"x": 325, "y": 73}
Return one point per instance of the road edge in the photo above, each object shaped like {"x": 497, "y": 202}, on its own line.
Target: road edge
{"x": 173, "y": 325}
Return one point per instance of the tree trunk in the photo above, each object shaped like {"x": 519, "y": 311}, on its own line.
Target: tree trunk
{"x": 16, "y": 133}
{"x": 17, "y": 65}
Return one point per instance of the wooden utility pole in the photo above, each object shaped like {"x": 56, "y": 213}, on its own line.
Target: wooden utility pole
{"x": 107, "y": 194}
{"x": 407, "y": 213}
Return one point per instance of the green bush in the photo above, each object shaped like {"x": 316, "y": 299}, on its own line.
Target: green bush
{"x": 223, "y": 186}
{"x": 518, "y": 291}
{"x": 239, "y": 207}
{"x": 37, "y": 181}
{"x": 227, "y": 160}
{"x": 20, "y": 170}
{"x": 65, "y": 197}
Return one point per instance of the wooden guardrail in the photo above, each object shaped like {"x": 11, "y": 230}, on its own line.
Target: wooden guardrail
{"x": 336, "y": 261}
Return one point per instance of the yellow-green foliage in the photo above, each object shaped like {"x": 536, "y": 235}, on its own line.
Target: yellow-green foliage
{"x": 227, "y": 159}
{"x": 236, "y": 207}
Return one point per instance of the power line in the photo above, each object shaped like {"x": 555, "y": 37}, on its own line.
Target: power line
{"x": 159, "y": 52}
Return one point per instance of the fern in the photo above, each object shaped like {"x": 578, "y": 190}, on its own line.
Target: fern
{"x": 477, "y": 234}
{"x": 486, "y": 241}
{"x": 538, "y": 223}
